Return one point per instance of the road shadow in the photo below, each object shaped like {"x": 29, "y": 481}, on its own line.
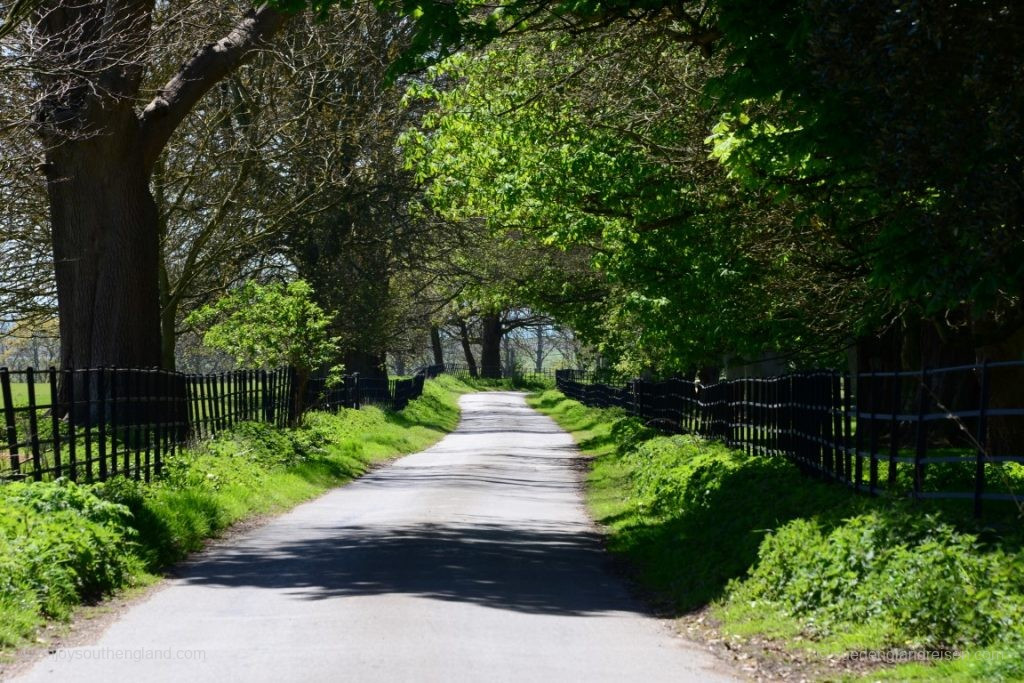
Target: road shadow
{"x": 533, "y": 568}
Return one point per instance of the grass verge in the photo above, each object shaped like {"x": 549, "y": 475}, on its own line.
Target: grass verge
{"x": 805, "y": 565}
{"x": 64, "y": 544}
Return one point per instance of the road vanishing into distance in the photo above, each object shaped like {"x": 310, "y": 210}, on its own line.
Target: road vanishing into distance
{"x": 471, "y": 561}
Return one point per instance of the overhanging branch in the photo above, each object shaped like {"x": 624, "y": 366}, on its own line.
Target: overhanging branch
{"x": 201, "y": 72}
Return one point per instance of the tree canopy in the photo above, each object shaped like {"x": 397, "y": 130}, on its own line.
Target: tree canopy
{"x": 685, "y": 184}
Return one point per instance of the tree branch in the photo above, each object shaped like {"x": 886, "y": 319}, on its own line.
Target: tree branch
{"x": 201, "y": 72}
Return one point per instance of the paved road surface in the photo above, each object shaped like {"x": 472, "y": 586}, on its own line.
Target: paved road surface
{"x": 471, "y": 561}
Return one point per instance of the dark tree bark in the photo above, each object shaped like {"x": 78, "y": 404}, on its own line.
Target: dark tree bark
{"x": 539, "y": 358}
{"x": 104, "y": 230}
{"x": 877, "y": 394}
{"x": 435, "y": 345}
{"x": 928, "y": 344}
{"x": 509, "y": 364}
{"x": 467, "y": 350}
{"x": 168, "y": 320}
{"x": 490, "y": 345}
{"x": 709, "y": 374}
{"x": 366, "y": 364}
{"x": 1006, "y": 390}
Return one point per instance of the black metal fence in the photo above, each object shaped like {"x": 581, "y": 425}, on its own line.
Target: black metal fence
{"x": 937, "y": 433}
{"x": 353, "y": 391}
{"x": 90, "y": 425}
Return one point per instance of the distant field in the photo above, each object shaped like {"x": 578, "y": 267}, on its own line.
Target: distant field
{"x": 19, "y": 394}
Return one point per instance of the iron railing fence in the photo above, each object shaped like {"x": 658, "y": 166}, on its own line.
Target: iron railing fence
{"x": 950, "y": 432}
{"x": 93, "y": 424}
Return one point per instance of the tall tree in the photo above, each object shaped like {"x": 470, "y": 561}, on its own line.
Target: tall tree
{"x": 90, "y": 65}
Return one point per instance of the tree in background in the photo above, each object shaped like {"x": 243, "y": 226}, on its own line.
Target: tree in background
{"x": 768, "y": 195}
{"x": 365, "y": 254}
{"x": 28, "y": 345}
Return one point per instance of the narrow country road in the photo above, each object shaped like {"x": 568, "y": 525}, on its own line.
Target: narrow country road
{"x": 471, "y": 561}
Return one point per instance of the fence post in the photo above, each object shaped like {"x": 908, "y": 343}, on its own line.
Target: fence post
{"x": 87, "y": 414}
{"x": 825, "y": 417}
{"x": 11, "y": 425}
{"x": 836, "y": 414}
{"x": 790, "y": 439}
{"x": 922, "y": 435}
{"x": 33, "y": 426}
{"x": 847, "y": 388}
{"x": 166, "y": 412}
{"x": 149, "y": 387}
{"x": 894, "y": 429}
{"x": 101, "y": 395}
{"x": 747, "y": 410}
{"x": 267, "y": 409}
{"x": 55, "y": 420}
{"x": 293, "y": 402}
{"x": 202, "y": 407}
{"x": 69, "y": 383}
{"x": 981, "y": 436}
{"x": 873, "y": 441}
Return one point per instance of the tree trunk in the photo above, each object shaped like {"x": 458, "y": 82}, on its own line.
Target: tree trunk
{"x": 539, "y": 360}
{"x": 879, "y": 394}
{"x": 366, "y": 364}
{"x": 168, "y": 321}
{"x": 934, "y": 346}
{"x": 467, "y": 350}
{"x": 509, "y": 364}
{"x": 709, "y": 374}
{"x": 490, "y": 346}
{"x": 105, "y": 247}
{"x": 99, "y": 155}
{"x": 435, "y": 344}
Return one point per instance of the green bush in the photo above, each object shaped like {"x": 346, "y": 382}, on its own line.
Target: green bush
{"x": 60, "y": 544}
{"x": 922, "y": 582}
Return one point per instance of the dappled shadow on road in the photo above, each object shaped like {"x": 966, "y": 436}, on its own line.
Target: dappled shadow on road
{"x": 480, "y": 557}
{"x": 535, "y": 567}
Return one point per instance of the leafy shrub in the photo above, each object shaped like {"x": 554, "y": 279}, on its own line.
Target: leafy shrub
{"x": 60, "y": 544}
{"x": 922, "y": 581}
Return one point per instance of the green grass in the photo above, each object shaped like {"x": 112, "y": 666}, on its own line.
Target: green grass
{"x": 19, "y": 394}
{"x": 63, "y": 544}
{"x": 781, "y": 555}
